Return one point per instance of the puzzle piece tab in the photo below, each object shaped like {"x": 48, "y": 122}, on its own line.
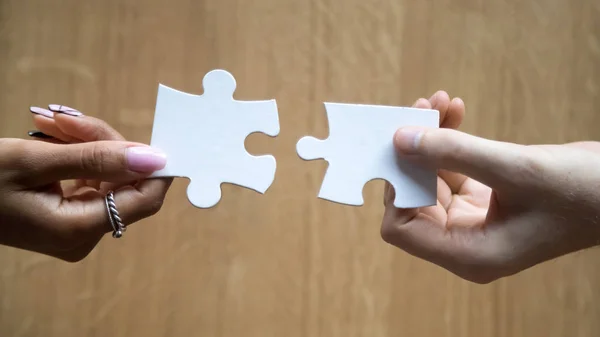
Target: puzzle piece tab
{"x": 360, "y": 148}
{"x": 203, "y": 137}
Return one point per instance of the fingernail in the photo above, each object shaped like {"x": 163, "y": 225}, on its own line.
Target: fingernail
{"x": 433, "y": 98}
{"x": 64, "y": 109}
{"x": 41, "y": 112}
{"x": 407, "y": 139}
{"x": 145, "y": 159}
{"x": 38, "y": 134}
{"x": 421, "y": 102}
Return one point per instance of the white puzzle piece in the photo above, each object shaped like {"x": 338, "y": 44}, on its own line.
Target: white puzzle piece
{"x": 360, "y": 148}
{"x": 203, "y": 137}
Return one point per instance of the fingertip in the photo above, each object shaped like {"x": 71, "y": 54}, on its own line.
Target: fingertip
{"x": 455, "y": 115}
{"x": 458, "y": 100}
{"x": 155, "y": 187}
{"x": 49, "y": 127}
{"x": 406, "y": 140}
{"x": 438, "y": 97}
{"x": 387, "y": 189}
{"x": 41, "y": 112}
{"x": 65, "y": 110}
{"x": 42, "y": 120}
{"x": 422, "y": 103}
{"x": 38, "y": 134}
{"x": 145, "y": 159}
{"x": 147, "y": 198}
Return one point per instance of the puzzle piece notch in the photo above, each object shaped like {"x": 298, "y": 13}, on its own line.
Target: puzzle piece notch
{"x": 360, "y": 149}
{"x": 204, "y": 135}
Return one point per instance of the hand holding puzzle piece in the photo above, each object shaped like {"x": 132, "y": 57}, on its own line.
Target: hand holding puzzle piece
{"x": 203, "y": 137}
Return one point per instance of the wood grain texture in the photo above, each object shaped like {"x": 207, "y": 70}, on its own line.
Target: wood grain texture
{"x": 287, "y": 263}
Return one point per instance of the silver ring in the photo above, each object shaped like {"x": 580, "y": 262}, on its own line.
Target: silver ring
{"x": 113, "y": 216}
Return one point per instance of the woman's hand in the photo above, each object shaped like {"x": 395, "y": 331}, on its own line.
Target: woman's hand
{"x": 40, "y": 211}
{"x": 502, "y": 207}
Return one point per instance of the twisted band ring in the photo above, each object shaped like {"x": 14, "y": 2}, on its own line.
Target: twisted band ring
{"x": 113, "y": 216}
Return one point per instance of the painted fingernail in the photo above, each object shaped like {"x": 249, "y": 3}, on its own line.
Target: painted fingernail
{"x": 407, "y": 139}
{"x": 41, "y": 112}
{"x": 64, "y": 109}
{"x": 38, "y": 134}
{"x": 145, "y": 159}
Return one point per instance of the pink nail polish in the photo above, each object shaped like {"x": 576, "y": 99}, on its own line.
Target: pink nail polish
{"x": 64, "y": 109}
{"x": 41, "y": 112}
{"x": 145, "y": 159}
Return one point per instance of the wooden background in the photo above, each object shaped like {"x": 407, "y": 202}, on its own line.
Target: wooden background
{"x": 287, "y": 263}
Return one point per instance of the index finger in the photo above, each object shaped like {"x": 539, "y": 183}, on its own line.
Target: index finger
{"x": 71, "y": 125}
{"x": 86, "y": 128}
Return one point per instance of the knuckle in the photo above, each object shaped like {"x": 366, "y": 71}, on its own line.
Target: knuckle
{"x": 450, "y": 151}
{"x": 106, "y": 132}
{"x": 89, "y": 158}
{"x": 98, "y": 158}
{"x": 390, "y": 230}
{"x": 101, "y": 130}
{"x": 96, "y": 134}
{"x": 525, "y": 166}
{"x": 90, "y": 131}
{"x": 93, "y": 158}
{"x": 455, "y": 151}
{"x": 388, "y": 234}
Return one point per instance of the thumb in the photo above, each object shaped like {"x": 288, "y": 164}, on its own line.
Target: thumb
{"x": 487, "y": 161}
{"x": 111, "y": 161}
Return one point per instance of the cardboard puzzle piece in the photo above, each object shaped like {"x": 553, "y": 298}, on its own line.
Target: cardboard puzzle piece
{"x": 360, "y": 148}
{"x": 203, "y": 137}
